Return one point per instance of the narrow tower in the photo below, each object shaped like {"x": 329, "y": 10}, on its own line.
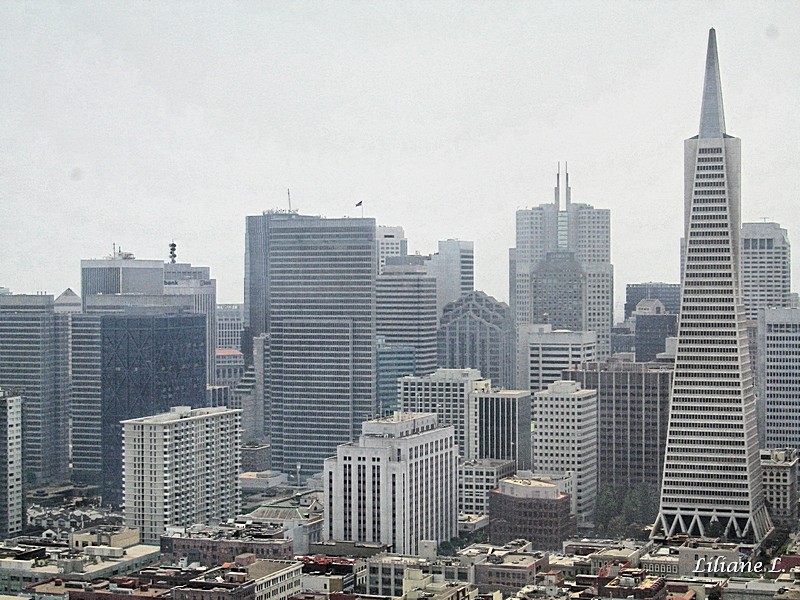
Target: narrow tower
{"x": 712, "y": 475}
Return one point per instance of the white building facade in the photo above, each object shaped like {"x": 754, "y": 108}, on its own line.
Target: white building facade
{"x": 542, "y": 354}
{"x": 446, "y": 393}
{"x": 397, "y": 485}
{"x": 766, "y": 267}
{"x": 181, "y": 468}
{"x": 564, "y": 435}
{"x": 712, "y": 474}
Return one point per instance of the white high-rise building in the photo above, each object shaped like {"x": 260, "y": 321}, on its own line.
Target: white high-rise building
{"x": 396, "y": 486}
{"x": 454, "y": 268}
{"x": 11, "y": 514}
{"x": 181, "y": 468}
{"x": 405, "y": 312}
{"x": 446, "y": 393}
{"x": 542, "y": 354}
{"x": 712, "y": 473}
{"x": 580, "y": 229}
{"x": 766, "y": 267}
{"x": 230, "y": 323}
{"x": 778, "y": 367}
{"x": 564, "y": 431}
{"x": 391, "y": 241}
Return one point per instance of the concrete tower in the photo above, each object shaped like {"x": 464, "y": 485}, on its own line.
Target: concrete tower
{"x": 712, "y": 473}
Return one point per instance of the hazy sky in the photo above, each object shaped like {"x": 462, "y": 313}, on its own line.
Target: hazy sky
{"x": 138, "y": 123}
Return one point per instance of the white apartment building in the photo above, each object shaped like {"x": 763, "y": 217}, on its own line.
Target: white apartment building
{"x": 542, "y": 354}
{"x": 181, "y": 468}
{"x": 565, "y": 439}
{"x": 446, "y": 393}
{"x": 11, "y": 496}
{"x": 397, "y": 485}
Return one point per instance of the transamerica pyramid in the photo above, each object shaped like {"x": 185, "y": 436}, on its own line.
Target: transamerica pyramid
{"x": 712, "y": 474}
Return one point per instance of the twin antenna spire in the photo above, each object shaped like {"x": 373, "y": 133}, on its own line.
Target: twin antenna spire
{"x": 557, "y": 189}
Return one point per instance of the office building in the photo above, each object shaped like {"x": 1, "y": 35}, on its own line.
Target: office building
{"x": 392, "y": 362}
{"x": 543, "y": 353}
{"x": 445, "y": 393}
{"x": 531, "y": 509}
{"x": 766, "y": 268}
{"x": 124, "y": 366}
{"x": 668, "y": 293}
{"x": 477, "y": 332}
{"x": 779, "y": 474}
{"x": 395, "y": 486}
{"x": 579, "y": 229}
{"x": 453, "y": 266}
{"x": 405, "y": 312}
{"x": 12, "y": 517}
{"x": 632, "y": 417}
{"x": 229, "y": 365}
{"x": 230, "y": 322}
{"x": 653, "y": 325}
{"x": 500, "y": 426}
{"x": 183, "y": 279}
{"x": 392, "y": 242}
{"x": 564, "y": 431}
{"x": 712, "y": 473}
{"x": 68, "y": 302}
{"x": 310, "y": 285}
{"x": 778, "y": 367}
{"x": 34, "y": 363}
{"x": 476, "y": 478}
{"x": 245, "y": 578}
{"x": 559, "y": 291}
{"x": 121, "y": 273}
{"x": 181, "y": 468}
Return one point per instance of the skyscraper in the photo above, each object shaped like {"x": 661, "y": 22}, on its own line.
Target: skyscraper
{"x": 778, "y": 366}
{"x": 34, "y": 362}
{"x": 128, "y": 365}
{"x": 500, "y": 426}
{"x": 391, "y": 242}
{"x": 181, "y": 468}
{"x": 766, "y": 267}
{"x": 183, "y": 279}
{"x": 668, "y": 293}
{"x": 405, "y": 312}
{"x": 310, "y": 285}
{"x": 446, "y": 393}
{"x": 564, "y": 433}
{"x": 396, "y": 485}
{"x": 580, "y": 229}
{"x": 121, "y": 273}
{"x": 542, "y": 354}
{"x": 712, "y": 473}
{"x": 454, "y": 268}
{"x": 230, "y": 322}
{"x": 477, "y": 332}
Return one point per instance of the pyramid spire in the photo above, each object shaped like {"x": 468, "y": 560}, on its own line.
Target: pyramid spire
{"x": 712, "y": 116}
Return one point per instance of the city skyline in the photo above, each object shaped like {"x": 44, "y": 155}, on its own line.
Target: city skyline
{"x": 469, "y": 106}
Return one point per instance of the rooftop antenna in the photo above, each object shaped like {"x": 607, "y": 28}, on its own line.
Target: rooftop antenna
{"x": 113, "y": 248}
{"x": 569, "y": 190}
{"x": 557, "y": 190}
{"x": 289, "y": 195}
{"x": 172, "y": 254}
